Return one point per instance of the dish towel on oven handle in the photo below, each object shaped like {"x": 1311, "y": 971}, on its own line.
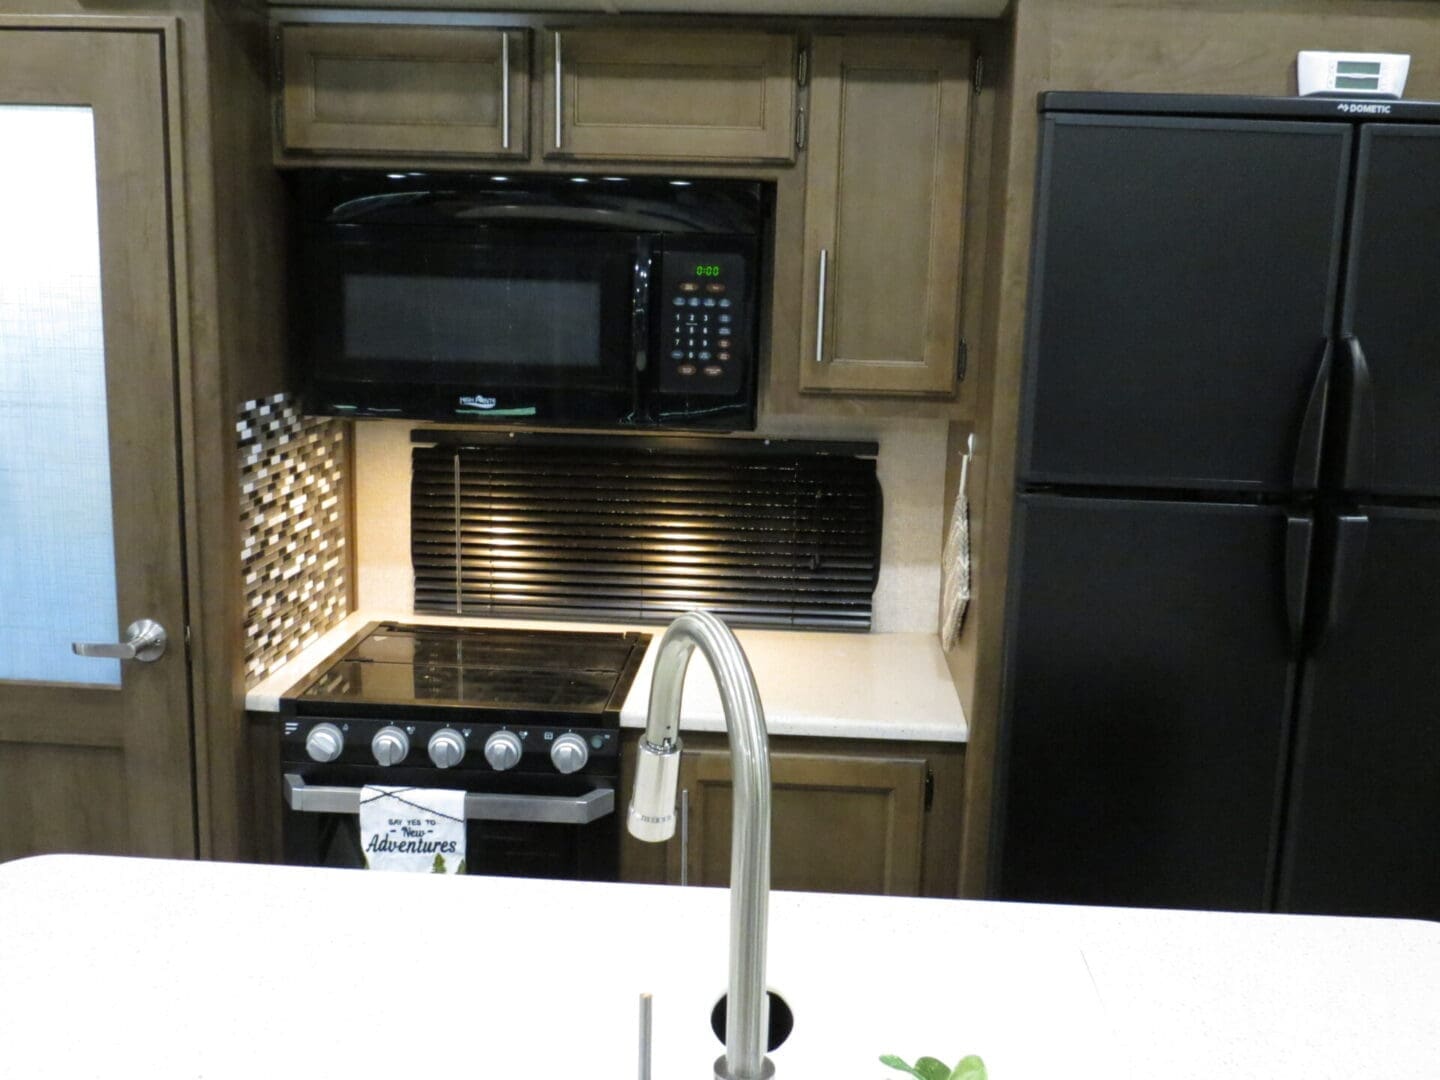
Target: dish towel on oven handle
{"x": 420, "y": 830}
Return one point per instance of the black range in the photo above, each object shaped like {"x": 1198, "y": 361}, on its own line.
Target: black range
{"x": 525, "y": 721}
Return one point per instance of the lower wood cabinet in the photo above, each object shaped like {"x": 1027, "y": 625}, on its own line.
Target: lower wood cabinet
{"x": 847, "y": 816}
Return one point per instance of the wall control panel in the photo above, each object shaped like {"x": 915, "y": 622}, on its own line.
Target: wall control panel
{"x": 1336, "y": 74}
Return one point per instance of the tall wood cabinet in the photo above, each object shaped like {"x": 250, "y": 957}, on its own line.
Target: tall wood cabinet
{"x": 884, "y": 201}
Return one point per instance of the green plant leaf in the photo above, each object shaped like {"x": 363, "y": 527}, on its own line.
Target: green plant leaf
{"x": 897, "y": 1063}
{"x": 970, "y": 1068}
{"x": 928, "y": 1068}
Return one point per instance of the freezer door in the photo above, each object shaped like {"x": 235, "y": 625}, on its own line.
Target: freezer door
{"x": 1362, "y": 832}
{"x": 1148, "y": 679}
{"x": 1182, "y": 298}
{"x": 1390, "y": 349}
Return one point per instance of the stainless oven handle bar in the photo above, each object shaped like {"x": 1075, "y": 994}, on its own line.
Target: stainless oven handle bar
{"x": 544, "y": 809}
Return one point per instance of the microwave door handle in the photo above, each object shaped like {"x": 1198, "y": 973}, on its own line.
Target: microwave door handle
{"x": 545, "y": 809}
{"x": 640, "y": 316}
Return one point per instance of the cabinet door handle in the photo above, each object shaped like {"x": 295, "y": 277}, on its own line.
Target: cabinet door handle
{"x": 820, "y": 310}
{"x": 558, "y": 97}
{"x": 504, "y": 91}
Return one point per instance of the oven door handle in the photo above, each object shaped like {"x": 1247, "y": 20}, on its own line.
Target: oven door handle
{"x": 544, "y": 809}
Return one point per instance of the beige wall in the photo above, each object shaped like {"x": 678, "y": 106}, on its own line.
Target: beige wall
{"x": 1196, "y": 46}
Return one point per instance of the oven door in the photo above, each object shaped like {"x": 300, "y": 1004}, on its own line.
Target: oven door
{"x": 518, "y": 325}
{"x": 542, "y": 827}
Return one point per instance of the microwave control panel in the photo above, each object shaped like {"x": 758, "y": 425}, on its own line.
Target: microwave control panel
{"x": 704, "y": 345}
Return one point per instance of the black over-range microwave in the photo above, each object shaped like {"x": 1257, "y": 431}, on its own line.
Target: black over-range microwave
{"x": 595, "y": 301}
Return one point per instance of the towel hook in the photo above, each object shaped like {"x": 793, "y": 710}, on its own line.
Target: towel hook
{"x": 965, "y": 465}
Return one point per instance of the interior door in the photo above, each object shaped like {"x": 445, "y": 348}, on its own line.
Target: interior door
{"x": 1182, "y": 303}
{"x": 94, "y": 752}
{"x": 1390, "y": 324}
{"x": 1148, "y": 683}
{"x": 1363, "y": 828}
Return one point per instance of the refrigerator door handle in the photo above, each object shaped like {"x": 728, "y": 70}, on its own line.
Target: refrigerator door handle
{"x": 1351, "y": 534}
{"x": 1312, "y": 428}
{"x": 1299, "y": 540}
{"x": 1360, "y": 428}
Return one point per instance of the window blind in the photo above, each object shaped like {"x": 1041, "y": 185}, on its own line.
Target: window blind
{"x": 762, "y": 533}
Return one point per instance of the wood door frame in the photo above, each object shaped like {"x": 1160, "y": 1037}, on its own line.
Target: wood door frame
{"x": 167, "y": 30}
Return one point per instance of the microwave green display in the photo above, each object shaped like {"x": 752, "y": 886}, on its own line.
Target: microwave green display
{"x": 707, "y": 270}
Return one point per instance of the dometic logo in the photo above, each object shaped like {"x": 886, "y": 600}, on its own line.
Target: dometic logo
{"x": 1368, "y": 110}
{"x": 479, "y": 401}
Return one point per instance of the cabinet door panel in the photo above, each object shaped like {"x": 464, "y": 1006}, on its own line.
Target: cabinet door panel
{"x": 1392, "y": 306}
{"x": 405, "y": 90}
{"x": 677, "y": 95}
{"x": 1183, "y": 291}
{"x": 884, "y": 204}
{"x": 1149, "y": 674}
{"x": 839, "y": 824}
{"x": 1364, "y": 822}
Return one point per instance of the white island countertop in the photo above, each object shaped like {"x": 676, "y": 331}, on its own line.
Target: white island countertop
{"x": 145, "y": 968}
{"x": 837, "y": 685}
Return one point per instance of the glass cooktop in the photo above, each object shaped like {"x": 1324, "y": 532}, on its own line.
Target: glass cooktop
{"x": 538, "y": 671}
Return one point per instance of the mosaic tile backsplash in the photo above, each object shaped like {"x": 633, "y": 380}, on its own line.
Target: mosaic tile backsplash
{"x": 294, "y": 529}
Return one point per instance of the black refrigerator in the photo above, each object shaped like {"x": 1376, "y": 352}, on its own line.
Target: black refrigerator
{"x": 1222, "y": 664}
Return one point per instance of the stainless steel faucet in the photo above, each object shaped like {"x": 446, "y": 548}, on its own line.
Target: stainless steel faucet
{"x": 652, "y": 817}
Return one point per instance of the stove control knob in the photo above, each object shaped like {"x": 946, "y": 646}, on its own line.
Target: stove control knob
{"x": 502, "y": 750}
{"x": 390, "y": 745}
{"x": 324, "y": 743}
{"x": 569, "y": 753}
{"x": 446, "y": 748}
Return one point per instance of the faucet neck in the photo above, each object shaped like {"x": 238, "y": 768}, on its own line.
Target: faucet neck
{"x": 747, "y": 1022}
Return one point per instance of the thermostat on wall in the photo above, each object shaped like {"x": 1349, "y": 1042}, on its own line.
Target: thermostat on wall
{"x": 1338, "y": 74}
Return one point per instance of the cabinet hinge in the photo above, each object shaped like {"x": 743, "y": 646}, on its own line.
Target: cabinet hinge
{"x": 978, "y": 79}
{"x": 962, "y": 360}
{"x": 802, "y": 67}
{"x": 277, "y": 97}
{"x": 800, "y": 128}
{"x": 929, "y": 789}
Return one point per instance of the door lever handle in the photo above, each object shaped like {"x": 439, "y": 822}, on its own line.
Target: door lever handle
{"x": 145, "y": 640}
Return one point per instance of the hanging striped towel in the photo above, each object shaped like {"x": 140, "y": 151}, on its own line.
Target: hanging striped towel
{"x": 955, "y": 564}
{"x": 420, "y": 830}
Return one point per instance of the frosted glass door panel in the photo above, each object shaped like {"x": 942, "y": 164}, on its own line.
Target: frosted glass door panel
{"x": 57, "y": 547}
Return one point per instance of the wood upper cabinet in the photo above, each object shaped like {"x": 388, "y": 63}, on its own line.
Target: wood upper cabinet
{"x": 840, "y": 823}
{"x": 416, "y": 91}
{"x": 884, "y": 202}
{"x": 669, "y": 95}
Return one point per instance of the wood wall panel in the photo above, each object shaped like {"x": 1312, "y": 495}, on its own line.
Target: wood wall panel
{"x": 62, "y": 799}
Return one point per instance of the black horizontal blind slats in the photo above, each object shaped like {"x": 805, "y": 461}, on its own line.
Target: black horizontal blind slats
{"x": 636, "y": 533}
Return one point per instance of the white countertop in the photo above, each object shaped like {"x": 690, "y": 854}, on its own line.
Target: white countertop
{"x": 145, "y": 968}
{"x": 858, "y": 686}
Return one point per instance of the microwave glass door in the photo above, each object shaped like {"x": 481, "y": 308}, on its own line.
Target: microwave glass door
{"x": 473, "y": 326}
